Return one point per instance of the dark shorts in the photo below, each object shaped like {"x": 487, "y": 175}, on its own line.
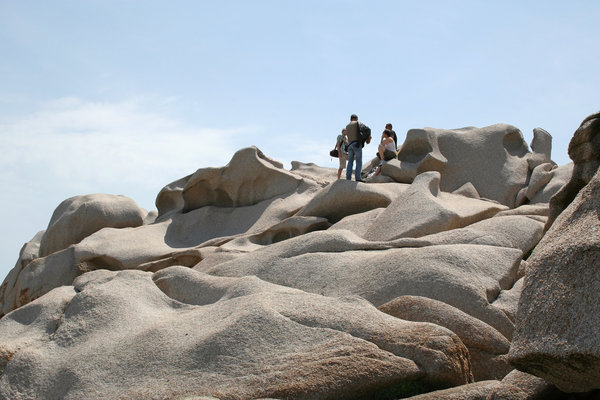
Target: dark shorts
{"x": 389, "y": 155}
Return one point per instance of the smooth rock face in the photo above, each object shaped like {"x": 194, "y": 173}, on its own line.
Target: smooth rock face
{"x": 474, "y": 391}
{"x": 117, "y": 335}
{"x": 251, "y": 281}
{"x": 169, "y": 241}
{"x": 541, "y": 146}
{"x": 29, "y": 252}
{"x": 559, "y": 314}
{"x": 249, "y": 178}
{"x": 486, "y": 345}
{"x": 423, "y": 209}
{"x": 344, "y": 198}
{"x": 518, "y": 385}
{"x": 493, "y": 159}
{"x": 80, "y": 216}
{"x": 467, "y": 277}
{"x": 584, "y": 150}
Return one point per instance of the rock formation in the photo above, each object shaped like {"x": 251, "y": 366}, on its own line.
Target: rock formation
{"x": 251, "y": 281}
{"x": 558, "y": 317}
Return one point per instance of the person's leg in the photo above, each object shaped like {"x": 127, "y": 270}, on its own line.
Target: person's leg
{"x": 343, "y": 161}
{"x": 378, "y": 168}
{"x": 358, "y": 157}
{"x": 349, "y": 166}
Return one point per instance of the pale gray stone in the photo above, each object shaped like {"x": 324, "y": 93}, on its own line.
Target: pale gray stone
{"x": 29, "y": 252}
{"x": 467, "y": 190}
{"x": 39, "y": 277}
{"x": 170, "y": 198}
{"x": 474, "y": 391}
{"x": 248, "y": 179}
{"x": 558, "y": 179}
{"x": 280, "y": 303}
{"x": 558, "y": 316}
{"x": 117, "y": 335}
{"x": 338, "y": 263}
{"x": 584, "y": 150}
{"x": 493, "y": 159}
{"x": 518, "y": 385}
{"x": 487, "y": 347}
{"x": 423, "y": 209}
{"x": 321, "y": 175}
{"x": 78, "y": 217}
{"x": 514, "y": 231}
{"x": 541, "y": 147}
{"x": 343, "y": 198}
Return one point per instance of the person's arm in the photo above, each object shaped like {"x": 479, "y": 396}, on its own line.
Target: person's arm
{"x": 381, "y": 150}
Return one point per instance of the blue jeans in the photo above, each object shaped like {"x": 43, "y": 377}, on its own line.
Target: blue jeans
{"x": 354, "y": 152}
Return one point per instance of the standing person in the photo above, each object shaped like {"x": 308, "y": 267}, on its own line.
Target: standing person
{"x": 355, "y": 145}
{"x": 342, "y": 148}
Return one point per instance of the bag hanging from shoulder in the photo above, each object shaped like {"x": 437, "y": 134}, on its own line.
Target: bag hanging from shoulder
{"x": 334, "y": 153}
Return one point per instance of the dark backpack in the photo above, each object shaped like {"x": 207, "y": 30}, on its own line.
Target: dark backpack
{"x": 365, "y": 133}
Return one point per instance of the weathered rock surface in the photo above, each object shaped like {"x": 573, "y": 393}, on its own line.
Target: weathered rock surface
{"x": 474, "y": 391}
{"x": 584, "y": 150}
{"x": 248, "y": 179}
{"x": 29, "y": 252}
{"x": 487, "y": 347}
{"x": 337, "y": 263}
{"x": 558, "y": 317}
{"x": 423, "y": 209}
{"x": 251, "y": 281}
{"x": 117, "y": 335}
{"x": 518, "y": 385}
{"x": 80, "y": 216}
{"x": 344, "y": 198}
{"x": 492, "y": 162}
{"x": 172, "y": 239}
{"x": 493, "y": 159}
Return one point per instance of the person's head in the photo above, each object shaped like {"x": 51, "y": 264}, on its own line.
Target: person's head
{"x": 354, "y": 117}
{"x": 386, "y": 133}
{"x": 388, "y": 126}
{"x": 343, "y": 132}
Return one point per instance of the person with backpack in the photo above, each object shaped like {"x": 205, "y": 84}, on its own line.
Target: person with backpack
{"x": 341, "y": 145}
{"x": 358, "y": 134}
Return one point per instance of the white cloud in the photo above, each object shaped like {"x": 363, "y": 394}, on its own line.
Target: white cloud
{"x": 69, "y": 142}
{"x": 71, "y": 146}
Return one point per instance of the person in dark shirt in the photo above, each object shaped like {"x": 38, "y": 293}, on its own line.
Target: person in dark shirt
{"x": 355, "y": 145}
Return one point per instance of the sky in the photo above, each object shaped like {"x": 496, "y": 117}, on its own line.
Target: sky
{"x": 124, "y": 97}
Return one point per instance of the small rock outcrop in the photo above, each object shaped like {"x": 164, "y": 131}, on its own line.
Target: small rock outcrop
{"x": 80, "y": 216}
{"x": 584, "y": 150}
{"x": 493, "y": 162}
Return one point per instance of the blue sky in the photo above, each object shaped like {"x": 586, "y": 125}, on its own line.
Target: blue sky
{"x": 126, "y": 96}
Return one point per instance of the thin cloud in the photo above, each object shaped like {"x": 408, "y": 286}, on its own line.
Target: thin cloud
{"x": 71, "y": 146}
{"x": 69, "y": 141}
